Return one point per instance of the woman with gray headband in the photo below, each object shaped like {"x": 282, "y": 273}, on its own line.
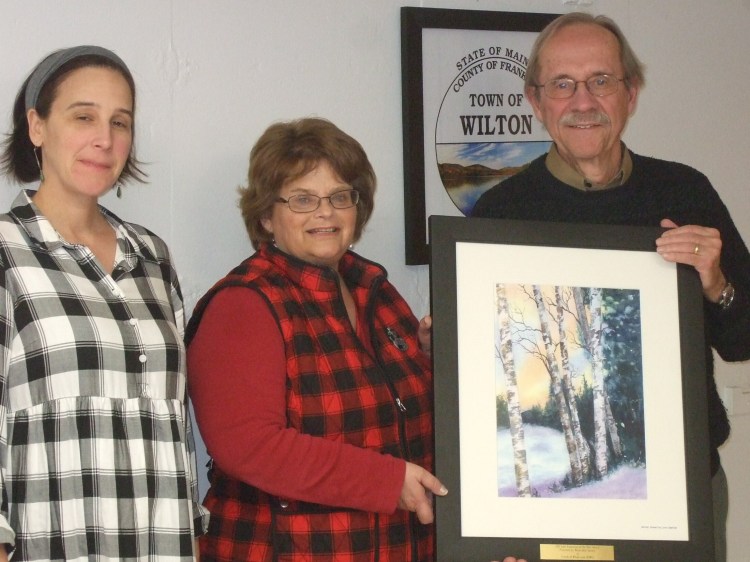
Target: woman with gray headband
{"x": 96, "y": 450}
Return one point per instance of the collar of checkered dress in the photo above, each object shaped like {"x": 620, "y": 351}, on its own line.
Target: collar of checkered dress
{"x": 41, "y": 232}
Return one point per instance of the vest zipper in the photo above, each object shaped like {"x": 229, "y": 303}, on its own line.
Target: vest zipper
{"x": 400, "y": 344}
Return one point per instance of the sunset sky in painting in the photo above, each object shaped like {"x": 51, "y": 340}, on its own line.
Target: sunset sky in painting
{"x": 533, "y": 378}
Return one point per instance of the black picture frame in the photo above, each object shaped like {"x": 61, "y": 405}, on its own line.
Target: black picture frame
{"x": 468, "y": 256}
{"x": 413, "y": 23}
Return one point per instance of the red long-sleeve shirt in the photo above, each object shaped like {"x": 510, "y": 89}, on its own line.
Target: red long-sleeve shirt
{"x": 237, "y": 379}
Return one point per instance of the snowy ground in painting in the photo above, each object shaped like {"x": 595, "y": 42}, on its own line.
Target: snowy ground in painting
{"x": 547, "y": 457}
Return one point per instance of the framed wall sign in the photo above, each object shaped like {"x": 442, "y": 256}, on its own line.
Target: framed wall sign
{"x": 570, "y": 395}
{"x": 466, "y": 123}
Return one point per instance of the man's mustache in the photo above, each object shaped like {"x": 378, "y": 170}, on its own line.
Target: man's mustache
{"x": 585, "y": 118}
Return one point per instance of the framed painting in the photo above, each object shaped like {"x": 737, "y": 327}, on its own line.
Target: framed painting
{"x": 570, "y": 395}
{"x": 466, "y": 123}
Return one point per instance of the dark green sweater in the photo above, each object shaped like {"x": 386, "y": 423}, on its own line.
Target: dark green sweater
{"x": 656, "y": 189}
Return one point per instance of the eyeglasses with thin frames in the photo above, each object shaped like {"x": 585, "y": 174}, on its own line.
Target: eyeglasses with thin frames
{"x": 307, "y": 202}
{"x": 599, "y": 85}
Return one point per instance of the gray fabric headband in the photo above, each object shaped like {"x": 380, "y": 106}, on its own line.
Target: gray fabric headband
{"x": 53, "y": 62}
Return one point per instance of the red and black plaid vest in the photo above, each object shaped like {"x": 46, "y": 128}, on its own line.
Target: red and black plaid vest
{"x": 388, "y": 400}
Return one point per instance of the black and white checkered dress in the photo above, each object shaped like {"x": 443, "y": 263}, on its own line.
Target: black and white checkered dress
{"x": 96, "y": 450}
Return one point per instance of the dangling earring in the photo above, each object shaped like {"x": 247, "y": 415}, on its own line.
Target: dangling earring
{"x": 118, "y": 187}
{"x": 38, "y": 163}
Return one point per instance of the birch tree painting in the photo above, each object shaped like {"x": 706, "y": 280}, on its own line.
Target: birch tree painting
{"x": 569, "y": 381}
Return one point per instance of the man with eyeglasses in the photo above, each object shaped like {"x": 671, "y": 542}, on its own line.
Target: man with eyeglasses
{"x": 583, "y": 81}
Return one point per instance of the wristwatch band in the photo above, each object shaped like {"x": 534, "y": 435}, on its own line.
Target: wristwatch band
{"x": 727, "y": 296}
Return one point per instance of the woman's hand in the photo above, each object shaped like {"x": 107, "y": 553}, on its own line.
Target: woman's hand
{"x": 511, "y": 559}
{"x": 424, "y": 334}
{"x": 416, "y": 493}
{"x": 698, "y": 246}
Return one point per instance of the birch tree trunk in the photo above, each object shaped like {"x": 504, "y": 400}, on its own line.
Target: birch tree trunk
{"x": 582, "y": 445}
{"x": 614, "y": 435}
{"x": 557, "y": 388}
{"x": 514, "y": 404}
{"x": 583, "y": 320}
{"x": 597, "y": 360}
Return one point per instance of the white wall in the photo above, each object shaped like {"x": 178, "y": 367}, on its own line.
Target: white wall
{"x": 212, "y": 74}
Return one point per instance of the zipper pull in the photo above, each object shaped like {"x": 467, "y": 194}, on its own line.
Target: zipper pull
{"x": 400, "y": 404}
{"x": 396, "y": 340}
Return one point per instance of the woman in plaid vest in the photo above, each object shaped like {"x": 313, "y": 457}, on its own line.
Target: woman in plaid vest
{"x": 310, "y": 386}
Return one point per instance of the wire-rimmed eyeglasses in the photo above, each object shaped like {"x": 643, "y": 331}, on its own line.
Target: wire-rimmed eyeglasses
{"x": 598, "y": 85}
{"x": 307, "y": 202}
